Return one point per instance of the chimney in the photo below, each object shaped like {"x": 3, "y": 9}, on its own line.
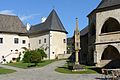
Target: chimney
{"x": 43, "y": 19}
{"x": 28, "y": 26}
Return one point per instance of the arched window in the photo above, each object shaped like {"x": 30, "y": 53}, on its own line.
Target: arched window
{"x": 111, "y": 25}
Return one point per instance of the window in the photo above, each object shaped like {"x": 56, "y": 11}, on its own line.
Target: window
{"x": 45, "y": 40}
{"x": 16, "y": 41}
{"x": 23, "y": 41}
{"x": 64, "y": 40}
{"x": 39, "y": 41}
{"x": 64, "y": 52}
{"x": 110, "y": 25}
{"x": 29, "y": 45}
{"x": 1, "y": 40}
{"x": 53, "y": 52}
{"x": 13, "y": 59}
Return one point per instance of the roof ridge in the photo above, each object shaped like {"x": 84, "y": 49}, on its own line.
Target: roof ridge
{"x": 108, "y": 3}
{"x": 9, "y": 15}
{"x": 52, "y": 23}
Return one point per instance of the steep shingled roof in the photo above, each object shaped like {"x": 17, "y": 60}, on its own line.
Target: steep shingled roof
{"x": 108, "y": 3}
{"x": 11, "y": 24}
{"x": 52, "y": 23}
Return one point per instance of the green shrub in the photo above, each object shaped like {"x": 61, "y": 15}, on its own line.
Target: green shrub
{"x": 10, "y": 61}
{"x": 34, "y": 56}
{"x": 18, "y": 59}
{"x": 27, "y": 56}
{"x": 43, "y": 54}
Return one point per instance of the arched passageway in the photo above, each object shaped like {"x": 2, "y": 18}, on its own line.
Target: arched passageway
{"x": 111, "y": 25}
{"x": 110, "y": 58}
{"x": 110, "y": 53}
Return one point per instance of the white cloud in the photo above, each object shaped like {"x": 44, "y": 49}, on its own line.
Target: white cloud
{"x": 26, "y": 17}
{"x": 7, "y": 12}
{"x": 22, "y": 17}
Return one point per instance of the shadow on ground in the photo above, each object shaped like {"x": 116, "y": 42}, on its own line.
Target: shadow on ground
{"x": 104, "y": 78}
{"x": 98, "y": 70}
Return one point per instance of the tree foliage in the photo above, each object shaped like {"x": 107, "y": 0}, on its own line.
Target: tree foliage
{"x": 34, "y": 56}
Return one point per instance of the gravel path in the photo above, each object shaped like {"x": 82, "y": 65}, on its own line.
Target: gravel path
{"x": 46, "y": 73}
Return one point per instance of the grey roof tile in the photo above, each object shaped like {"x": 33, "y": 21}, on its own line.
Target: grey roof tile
{"x": 108, "y": 3}
{"x": 12, "y": 24}
{"x": 84, "y": 31}
{"x": 52, "y": 23}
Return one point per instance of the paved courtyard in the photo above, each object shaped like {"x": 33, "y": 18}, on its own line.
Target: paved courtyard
{"x": 46, "y": 73}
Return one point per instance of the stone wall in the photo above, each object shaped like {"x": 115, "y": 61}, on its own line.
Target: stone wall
{"x": 84, "y": 49}
{"x": 105, "y": 39}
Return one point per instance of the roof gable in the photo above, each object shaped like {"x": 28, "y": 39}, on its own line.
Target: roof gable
{"x": 52, "y": 23}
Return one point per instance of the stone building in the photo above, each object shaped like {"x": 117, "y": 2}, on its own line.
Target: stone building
{"x": 100, "y": 40}
{"x": 14, "y": 36}
{"x": 104, "y": 33}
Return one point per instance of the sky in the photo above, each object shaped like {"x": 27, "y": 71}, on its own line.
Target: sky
{"x": 35, "y": 11}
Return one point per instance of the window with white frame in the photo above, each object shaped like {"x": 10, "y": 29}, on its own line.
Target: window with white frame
{"x": 16, "y": 40}
{"x": 64, "y": 40}
{"x": 23, "y": 41}
{"x": 40, "y": 41}
{"x": 45, "y": 40}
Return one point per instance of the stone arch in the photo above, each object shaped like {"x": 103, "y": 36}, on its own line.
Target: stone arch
{"x": 110, "y": 25}
{"x": 110, "y": 53}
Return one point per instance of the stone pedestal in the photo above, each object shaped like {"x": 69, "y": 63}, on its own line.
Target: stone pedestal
{"x": 78, "y": 67}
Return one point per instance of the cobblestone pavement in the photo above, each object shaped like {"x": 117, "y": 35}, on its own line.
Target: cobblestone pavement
{"x": 46, "y": 73}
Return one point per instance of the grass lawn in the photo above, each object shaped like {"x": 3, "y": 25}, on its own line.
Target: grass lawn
{"x": 29, "y": 65}
{"x": 88, "y": 70}
{"x": 6, "y": 71}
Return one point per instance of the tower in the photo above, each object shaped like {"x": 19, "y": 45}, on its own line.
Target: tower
{"x": 77, "y": 42}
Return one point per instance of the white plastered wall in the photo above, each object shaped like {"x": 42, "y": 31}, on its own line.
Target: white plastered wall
{"x": 57, "y": 45}
{"x": 8, "y": 46}
{"x": 34, "y": 42}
